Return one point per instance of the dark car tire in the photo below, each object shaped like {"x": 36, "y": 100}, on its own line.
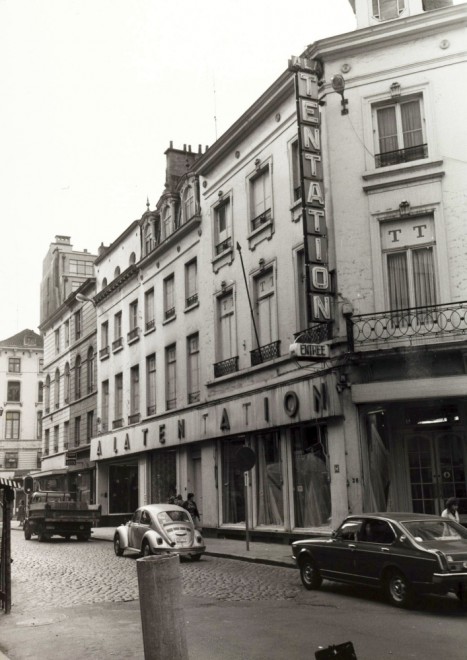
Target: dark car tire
{"x": 117, "y": 546}
{"x": 398, "y": 589}
{"x": 83, "y": 537}
{"x": 309, "y": 574}
{"x": 146, "y": 549}
{"x": 43, "y": 536}
{"x": 27, "y": 532}
{"x": 461, "y": 594}
{"x": 195, "y": 557}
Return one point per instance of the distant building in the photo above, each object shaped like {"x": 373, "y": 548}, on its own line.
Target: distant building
{"x": 21, "y": 401}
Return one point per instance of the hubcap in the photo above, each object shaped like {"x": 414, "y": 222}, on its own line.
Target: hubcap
{"x": 309, "y": 572}
{"x": 398, "y": 588}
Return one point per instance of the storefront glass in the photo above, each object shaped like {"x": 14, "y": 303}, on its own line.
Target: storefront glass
{"x": 269, "y": 481}
{"x": 233, "y": 497}
{"x": 311, "y": 482}
{"x": 163, "y": 475}
{"x": 123, "y": 488}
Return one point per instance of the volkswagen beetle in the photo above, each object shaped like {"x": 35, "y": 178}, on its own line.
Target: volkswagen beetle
{"x": 157, "y": 529}
{"x": 402, "y": 553}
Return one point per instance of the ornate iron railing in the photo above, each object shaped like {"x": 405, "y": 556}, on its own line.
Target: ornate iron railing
{"x": 169, "y": 313}
{"x": 401, "y": 155}
{"x": 133, "y": 335}
{"x": 150, "y": 325}
{"x": 413, "y": 325}
{"x": 192, "y": 300}
{"x": 265, "y": 353}
{"x": 170, "y": 404}
{"x": 225, "y": 245}
{"x": 261, "y": 219}
{"x": 151, "y": 410}
{"x": 315, "y": 334}
{"x": 225, "y": 367}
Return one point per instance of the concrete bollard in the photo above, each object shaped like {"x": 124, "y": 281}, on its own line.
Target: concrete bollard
{"x": 160, "y": 601}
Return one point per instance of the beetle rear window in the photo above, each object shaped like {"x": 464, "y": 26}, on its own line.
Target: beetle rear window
{"x": 169, "y": 517}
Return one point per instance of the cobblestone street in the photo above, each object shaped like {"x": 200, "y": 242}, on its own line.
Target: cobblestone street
{"x": 64, "y": 573}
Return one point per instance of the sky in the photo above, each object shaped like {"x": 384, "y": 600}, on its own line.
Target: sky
{"x": 92, "y": 93}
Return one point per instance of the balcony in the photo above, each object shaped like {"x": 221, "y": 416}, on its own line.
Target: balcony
{"x": 134, "y": 418}
{"x": 265, "y": 353}
{"x": 117, "y": 344}
{"x": 225, "y": 367}
{"x": 169, "y": 314}
{"x": 261, "y": 220}
{"x": 118, "y": 423}
{"x": 104, "y": 353}
{"x": 222, "y": 247}
{"x": 150, "y": 325}
{"x": 170, "y": 404}
{"x": 401, "y": 155}
{"x": 133, "y": 335}
{"x": 414, "y": 326}
{"x": 151, "y": 410}
{"x": 192, "y": 300}
{"x": 193, "y": 397}
{"x": 316, "y": 334}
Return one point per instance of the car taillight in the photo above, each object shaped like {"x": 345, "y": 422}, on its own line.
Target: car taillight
{"x": 443, "y": 562}
{"x": 199, "y": 539}
{"x": 159, "y": 540}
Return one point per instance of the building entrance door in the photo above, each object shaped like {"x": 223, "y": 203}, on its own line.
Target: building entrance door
{"x": 436, "y": 462}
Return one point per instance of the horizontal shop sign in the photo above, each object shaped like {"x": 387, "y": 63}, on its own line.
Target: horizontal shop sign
{"x": 310, "y": 351}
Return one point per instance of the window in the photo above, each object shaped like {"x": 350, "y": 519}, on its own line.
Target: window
{"x": 188, "y": 204}
{"x": 66, "y": 435}
{"x": 57, "y": 340}
{"x": 11, "y": 460}
{"x": 193, "y": 368}
{"x": 104, "y": 282}
{"x": 57, "y": 389}
{"x": 117, "y": 272}
{"x": 260, "y": 198}
{"x": 191, "y": 283}
{"x": 47, "y": 394}
{"x": 399, "y": 129}
{"x": 66, "y": 385}
{"x": 77, "y": 317}
{"x": 384, "y": 10}
{"x": 410, "y": 269}
{"x": 226, "y": 318}
{"x": 78, "y": 377}
{"x": 171, "y": 377}
{"x": 132, "y": 259}
{"x": 14, "y": 391}
{"x": 149, "y": 310}
{"x": 14, "y": 365}
{"x": 223, "y": 227}
{"x": 91, "y": 370}
{"x": 117, "y": 342}
{"x": 89, "y": 425}
{"x": 295, "y": 168}
{"x": 151, "y": 384}
{"x": 12, "y": 420}
{"x": 167, "y": 221}
{"x": 104, "y": 350}
{"x": 81, "y": 267}
{"x": 265, "y": 304}
{"x": 46, "y": 442}
{"x": 134, "y": 391}
{"x": 105, "y": 406}
{"x": 134, "y": 328}
{"x": 41, "y": 364}
{"x": 148, "y": 237}
{"x": 169, "y": 297}
{"x": 66, "y": 333}
{"x": 118, "y": 403}
{"x": 39, "y": 425}
{"x": 77, "y": 431}
{"x": 56, "y": 437}
{"x": 40, "y": 391}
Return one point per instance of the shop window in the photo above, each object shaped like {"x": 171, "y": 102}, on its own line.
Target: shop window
{"x": 311, "y": 479}
{"x": 11, "y": 460}
{"x": 123, "y": 488}
{"x": 269, "y": 481}
{"x": 233, "y": 496}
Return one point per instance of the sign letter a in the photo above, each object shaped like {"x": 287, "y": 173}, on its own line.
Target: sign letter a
{"x": 225, "y": 424}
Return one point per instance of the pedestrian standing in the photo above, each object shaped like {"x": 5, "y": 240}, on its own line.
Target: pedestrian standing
{"x": 178, "y": 500}
{"x": 191, "y": 507}
{"x": 21, "y": 513}
{"x": 452, "y": 509}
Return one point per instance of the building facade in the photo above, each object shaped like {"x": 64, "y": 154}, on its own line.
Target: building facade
{"x": 21, "y": 395}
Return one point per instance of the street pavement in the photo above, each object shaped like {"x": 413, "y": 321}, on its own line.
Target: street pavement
{"x": 78, "y": 600}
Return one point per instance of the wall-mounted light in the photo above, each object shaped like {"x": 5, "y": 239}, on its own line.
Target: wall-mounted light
{"x": 343, "y": 383}
{"x": 338, "y": 85}
{"x": 82, "y": 298}
{"x": 395, "y": 90}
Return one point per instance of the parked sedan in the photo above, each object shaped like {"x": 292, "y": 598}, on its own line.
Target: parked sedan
{"x": 402, "y": 553}
{"x": 159, "y": 529}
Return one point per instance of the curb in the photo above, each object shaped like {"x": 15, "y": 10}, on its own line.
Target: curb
{"x": 251, "y": 560}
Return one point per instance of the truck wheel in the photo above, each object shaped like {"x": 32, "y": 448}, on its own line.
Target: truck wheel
{"x": 83, "y": 537}
{"x": 43, "y": 536}
{"x": 27, "y": 531}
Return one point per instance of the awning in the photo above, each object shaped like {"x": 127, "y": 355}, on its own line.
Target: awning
{"x": 10, "y": 483}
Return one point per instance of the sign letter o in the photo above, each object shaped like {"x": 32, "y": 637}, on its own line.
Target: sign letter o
{"x": 291, "y": 403}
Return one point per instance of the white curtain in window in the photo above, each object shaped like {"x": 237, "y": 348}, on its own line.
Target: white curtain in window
{"x": 387, "y": 129}
{"x": 261, "y": 194}
{"x": 270, "y": 496}
{"x": 411, "y": 123}
{"x": 424, "y": 277}
{"x": 398, "y": 281}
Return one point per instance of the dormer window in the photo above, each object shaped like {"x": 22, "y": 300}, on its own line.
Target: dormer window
{"x": 385, "y": 10}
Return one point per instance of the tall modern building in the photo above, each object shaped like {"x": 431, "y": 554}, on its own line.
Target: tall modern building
{"x": 21, "y": 400}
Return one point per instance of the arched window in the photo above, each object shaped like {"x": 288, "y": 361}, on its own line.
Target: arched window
{"x": 132, "y": 258}
{"x": 57, "y": 388}
{"x": 117, "y": 272}
{"x": 91, "y": 370}
{"x": 78, "y": 378}
{"x": 47, "y": 394}
{"x": 104, "y": 282}
{"x": 66, "y": 385}
{"x": 188, "y": 207}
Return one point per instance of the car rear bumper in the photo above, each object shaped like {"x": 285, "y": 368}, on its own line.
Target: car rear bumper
{"x": 449, "y": 579}
{"x": 199, "y": 550}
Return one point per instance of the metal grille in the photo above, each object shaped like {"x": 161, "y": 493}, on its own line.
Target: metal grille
{"x": 265, "y": 353}
{"x": 133, "y": 334}
{"x": 226, "y": 367}
{"x": 401, "y": 155}
{"x": 315, "y": 334}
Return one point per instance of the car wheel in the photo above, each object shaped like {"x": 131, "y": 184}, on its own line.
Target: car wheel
{"x": 461, "y": 593}
{"x": 398, "y": 589}
{"x": 27, "y": 532}
{"x": 117, "y": 546}
{"x": 195, "y": 557}
{"x": 146, "y": 550}
{"x": 310, "y": 575}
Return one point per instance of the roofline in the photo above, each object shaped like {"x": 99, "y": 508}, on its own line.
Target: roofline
{"x": 66, "y": 304}
{"x": 117, "y": 241}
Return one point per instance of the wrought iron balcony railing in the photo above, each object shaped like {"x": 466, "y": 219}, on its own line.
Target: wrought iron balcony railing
{"x": 265, "y": 353}
{"x": 225, "y": 245}
{"x": 118, "y": 343}
{"x": 192, "y": 300}
{"x": 169, "y": 313}
{"x": 413, "y": 325}
{"x": 133, "y": 335}
{"x": 150, "y": 325}
{"x": 151, "y": 410}
{"x": 170, "y": 404}
{"x": 225, "y": 367}
{"x": 261, "y": 219}
{"x": 315, "y": 334}
{"x": 401, "y": 155}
